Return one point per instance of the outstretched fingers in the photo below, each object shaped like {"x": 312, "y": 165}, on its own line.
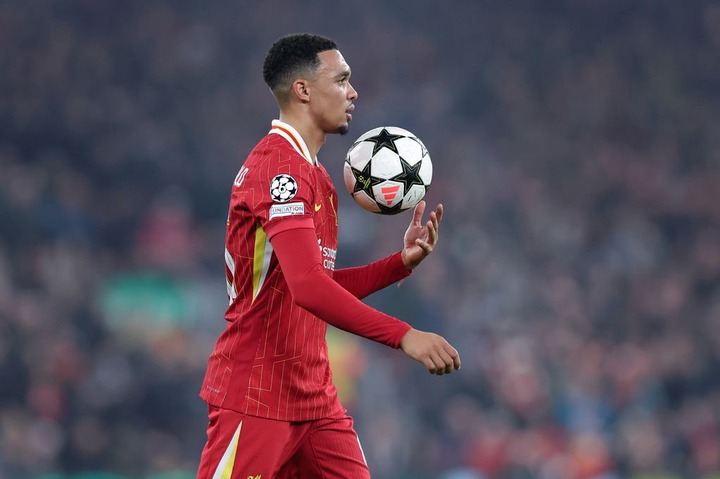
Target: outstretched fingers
{"x": 439, "y": 213}
{"x": 433, "y": 225}
{"x": 418, "y": 213}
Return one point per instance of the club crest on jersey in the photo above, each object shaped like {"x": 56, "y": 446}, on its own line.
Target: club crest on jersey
{"x": 283, "y": 188}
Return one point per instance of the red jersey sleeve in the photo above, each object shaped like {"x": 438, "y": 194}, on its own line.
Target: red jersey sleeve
{"x": 362, "y": 281}
{"x": 313, "y": 290}
{"x": 281, "y": 192}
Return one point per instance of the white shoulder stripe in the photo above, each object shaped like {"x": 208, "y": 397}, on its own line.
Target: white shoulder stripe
{"x": 293, "y": 137}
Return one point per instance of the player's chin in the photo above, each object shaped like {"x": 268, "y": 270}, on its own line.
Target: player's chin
{"x": 343, "y": 129}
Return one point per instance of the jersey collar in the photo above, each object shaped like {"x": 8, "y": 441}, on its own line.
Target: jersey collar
{"x": 293, "y": 137}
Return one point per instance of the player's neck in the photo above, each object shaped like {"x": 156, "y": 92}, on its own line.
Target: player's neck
{"x": 313, "y": 137}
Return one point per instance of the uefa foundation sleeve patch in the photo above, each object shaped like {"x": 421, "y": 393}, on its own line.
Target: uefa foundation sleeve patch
{"x": 287, "y": 209}
{"x": 283, "y": 188}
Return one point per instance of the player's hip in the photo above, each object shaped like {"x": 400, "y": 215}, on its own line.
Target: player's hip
{"x": 243, "y": 446}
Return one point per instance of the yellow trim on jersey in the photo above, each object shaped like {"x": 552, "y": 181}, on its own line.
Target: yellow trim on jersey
{"x": 261, "y": 260}
{"x": 225, "y": 467}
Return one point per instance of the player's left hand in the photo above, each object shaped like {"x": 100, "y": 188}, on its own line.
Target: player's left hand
{"x": 421, "y": 239}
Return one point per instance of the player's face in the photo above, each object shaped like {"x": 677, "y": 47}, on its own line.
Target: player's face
{"x": 332, "y": 95}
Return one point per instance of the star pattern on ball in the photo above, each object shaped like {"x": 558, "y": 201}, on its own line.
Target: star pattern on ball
{"x": 364, "y": 181}
{"x": 422, "y": 146}
{"x": 384, "y": 139}
{"x": 390, "y": 210}
{"x": 410, "y": 175}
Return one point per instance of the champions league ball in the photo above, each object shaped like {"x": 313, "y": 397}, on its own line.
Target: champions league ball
{"x": 387, "y": 170}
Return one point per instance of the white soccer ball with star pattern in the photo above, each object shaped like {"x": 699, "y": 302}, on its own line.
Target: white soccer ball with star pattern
{"x": 387, "y": 170}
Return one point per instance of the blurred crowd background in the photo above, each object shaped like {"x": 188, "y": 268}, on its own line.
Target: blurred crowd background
{"x": 576, "y": 146}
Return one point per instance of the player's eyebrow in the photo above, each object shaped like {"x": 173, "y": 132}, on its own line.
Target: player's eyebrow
{"x": 343, "y": 74}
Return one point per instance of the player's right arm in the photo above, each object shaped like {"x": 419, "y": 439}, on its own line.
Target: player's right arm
{"x": 315, "y": 291}
{"x": 432, "y": 350}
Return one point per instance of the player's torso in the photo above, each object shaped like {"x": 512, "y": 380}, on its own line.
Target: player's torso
{"x": 326, "y": 219}
{"x": 245, "y": 237}
{"x": 273, "y": 352}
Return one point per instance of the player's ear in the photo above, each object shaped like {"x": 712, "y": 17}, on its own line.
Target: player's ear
{"x": 300, "y": 89}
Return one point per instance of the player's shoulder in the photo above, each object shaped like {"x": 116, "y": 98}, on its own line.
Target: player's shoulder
{"x": 274, "y": 147}
{"x": 272, "y": 160}
{"x": 274, "y": 154}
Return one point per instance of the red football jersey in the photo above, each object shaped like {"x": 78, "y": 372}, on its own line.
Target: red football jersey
{"x": 272, "y": 360}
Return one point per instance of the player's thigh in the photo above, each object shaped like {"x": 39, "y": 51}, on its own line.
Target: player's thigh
{"x": 331, "y": 450}
{"x": 241, "y": 446}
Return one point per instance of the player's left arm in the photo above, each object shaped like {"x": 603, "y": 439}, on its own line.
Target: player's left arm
{"x": 362, "y": 281}
{"x": 419, "y": 242}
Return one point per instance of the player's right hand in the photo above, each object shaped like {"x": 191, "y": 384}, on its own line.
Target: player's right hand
{"x": 432, "y": 350}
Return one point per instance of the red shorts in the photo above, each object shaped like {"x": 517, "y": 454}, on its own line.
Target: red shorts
{"x": 247, "y": 447}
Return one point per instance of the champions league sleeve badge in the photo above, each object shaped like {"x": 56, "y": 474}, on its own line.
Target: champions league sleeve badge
{"x": 283, "y": 188}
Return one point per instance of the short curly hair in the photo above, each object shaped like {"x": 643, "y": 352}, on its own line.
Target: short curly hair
{"x": 291, "y": 56}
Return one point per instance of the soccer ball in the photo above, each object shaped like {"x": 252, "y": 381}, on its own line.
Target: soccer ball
{"x": 387, "y": 170}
